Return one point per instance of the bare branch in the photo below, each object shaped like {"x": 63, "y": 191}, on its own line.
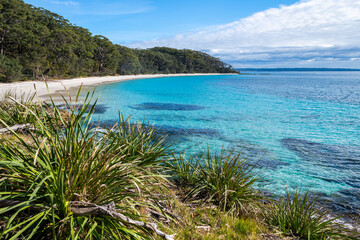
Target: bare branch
{"x": 109, "y": 209}
{"x": 17, "y": 128}
{"x": 90, "y": 209}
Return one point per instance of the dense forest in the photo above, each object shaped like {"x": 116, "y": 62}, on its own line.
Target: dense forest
{"x": 36, "y": 44}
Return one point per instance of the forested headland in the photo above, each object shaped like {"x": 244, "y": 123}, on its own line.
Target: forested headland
{"x": 36, "y": 44}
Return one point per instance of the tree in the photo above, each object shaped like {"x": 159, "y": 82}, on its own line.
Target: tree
{"x": 10, "y": 69}
{"x": 106, "y": 57}
{"x": 40, "y": 43}
{"x": 128, "y": 61}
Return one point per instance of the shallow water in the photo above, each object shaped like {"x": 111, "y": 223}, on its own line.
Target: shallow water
{"x": 300, "y": 128}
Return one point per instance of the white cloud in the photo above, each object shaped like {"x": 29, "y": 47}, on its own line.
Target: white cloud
{"x": 315, "y": 30}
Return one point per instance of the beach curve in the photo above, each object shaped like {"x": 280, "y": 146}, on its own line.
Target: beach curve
{"x": 55, "y": 86}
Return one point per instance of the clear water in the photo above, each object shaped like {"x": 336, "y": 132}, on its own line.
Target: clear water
{"x": 300, "y": 128}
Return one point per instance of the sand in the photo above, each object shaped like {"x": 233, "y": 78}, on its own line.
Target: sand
{"x": 58, "y": 86}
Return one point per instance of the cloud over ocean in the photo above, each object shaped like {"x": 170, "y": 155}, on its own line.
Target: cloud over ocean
{"x": 310, "y": 33}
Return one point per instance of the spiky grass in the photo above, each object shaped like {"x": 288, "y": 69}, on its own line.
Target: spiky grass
{"x": 223, "y": 179}
{"x": 299, "y": 215}
{"x": 12, "y": 114}
{"x": 68, "y": 161}
{"x": 184, "y": 171}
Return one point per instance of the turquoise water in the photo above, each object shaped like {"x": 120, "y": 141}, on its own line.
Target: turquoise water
{"x": 301, "y": 129}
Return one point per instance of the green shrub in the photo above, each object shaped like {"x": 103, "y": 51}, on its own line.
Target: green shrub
{"x": 299, "y": 215}
{"x": 223, "y": 179}
{"x": 140, "y": 140}
{"x": 183, "y": 171}
{"x": 12, "y": 113}
{"x": 46, "y": 181}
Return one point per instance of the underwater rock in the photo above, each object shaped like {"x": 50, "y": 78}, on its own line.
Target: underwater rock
{"x": 99, "y": 108}
{"x": 345, "y": 160}
{"x": 344, "y": 202}
{"x": 166, "y": 106}
{"x": 325, "y": 154}
{"x": 189, "y": 131}
{"x": 258, "y": 156}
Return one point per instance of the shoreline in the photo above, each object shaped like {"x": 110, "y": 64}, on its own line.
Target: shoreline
{"x": 59, "y": 85}
{"x": 56, "y": 87}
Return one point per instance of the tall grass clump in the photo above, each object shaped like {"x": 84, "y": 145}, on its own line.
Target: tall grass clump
{"x": 72, "y": 181}
{"x": 12, "y": 114}
{"x": 143, "y": 145}
{"x": 223, "y": 179}
{"x": 299, "y": 215}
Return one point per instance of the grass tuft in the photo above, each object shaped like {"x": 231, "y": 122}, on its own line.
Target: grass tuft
{"x": 12, "y": 114}
{"x": 223, "y": 179}
{"x": 299, "y": 215}
{"x": 67, "y": 161}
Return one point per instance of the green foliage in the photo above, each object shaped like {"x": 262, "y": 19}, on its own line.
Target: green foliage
{"x": 106, "y": 56}
{"x": 184, "y": 171}
{"x": 299, "y": 215}
{"x": 60, "y": 167}
{"x": 10, "y": 69}
{"x": 129, "y": 62}
{"x": 226, "y": 180}
{"x": 11, "y": 114}
{"x": 169, "y": 60}
{"x": 38, "y": 43}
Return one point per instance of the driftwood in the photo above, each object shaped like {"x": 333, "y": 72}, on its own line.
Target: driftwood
{"x": 17, "y": 128}
{"x": 90, "y": 209}
{"x": 109, "y": 209}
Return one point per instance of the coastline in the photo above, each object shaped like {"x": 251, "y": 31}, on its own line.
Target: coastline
{"x": 56, "y": 86}
{"x": 59, "y": 85}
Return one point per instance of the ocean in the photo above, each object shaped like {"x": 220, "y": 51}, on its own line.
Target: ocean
{"x": 300, "y": 129}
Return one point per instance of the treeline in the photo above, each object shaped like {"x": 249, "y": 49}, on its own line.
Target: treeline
{"x": 36, "y": 43}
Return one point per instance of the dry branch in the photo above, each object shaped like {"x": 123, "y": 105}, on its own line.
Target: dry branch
{"x": 90, "y": 209}
{"x": 109, "y": 209}
{"x": 17, "y": 128}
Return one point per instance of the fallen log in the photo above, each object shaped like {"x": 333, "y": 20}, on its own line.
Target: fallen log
{"x": 17, "y": 128}
{"x": 109, "y": 209}
{"x": 90, "y": 209}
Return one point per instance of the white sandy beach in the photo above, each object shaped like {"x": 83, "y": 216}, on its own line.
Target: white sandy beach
{"x": 54, "y": 86}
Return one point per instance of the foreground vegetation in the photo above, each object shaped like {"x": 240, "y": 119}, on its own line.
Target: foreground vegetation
{"x": 64, "y": 178}
{"x": 36, "y": 43}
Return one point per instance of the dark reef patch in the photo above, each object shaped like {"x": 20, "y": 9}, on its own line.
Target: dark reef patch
{"x": 327, "y": 155}
{"x": 343, "y": 159}
{"x": 177, "y": 134}
{"x": 99, "y": 108}
{"x": 257, "y": 155}
{"x": 166, "y": 106}
{"x": 344, "y": 202}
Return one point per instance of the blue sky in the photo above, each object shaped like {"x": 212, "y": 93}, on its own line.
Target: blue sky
{"x": 136, "y": 20}
{"x": 261, "y": 33}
